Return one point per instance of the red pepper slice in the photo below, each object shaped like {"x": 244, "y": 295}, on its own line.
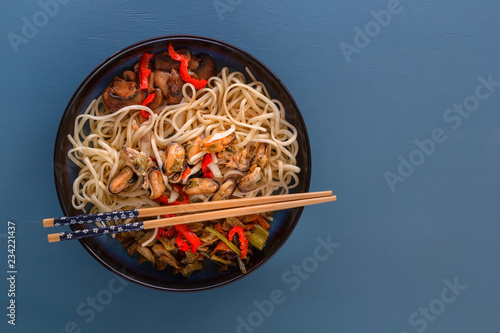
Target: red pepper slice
{"x": 218, "y": 227}
{"x": 181, "y": 244}
{"x": 145, "y": 102}
{"x": 243, "y": 240}
{"x": 262, "y": 221}
{"x": 144, "y": 70}
{"x": 166, "y": 233}
{"x": 222, "y": 247}
{"x": 189, "y": 235}
{"x": 207, "y": 159}
{"x": 198, "y": 84}
{"x": 249, "y": 226}
{"x": 182, "y": 194}
{"x": 163, "y": 199}
{"x": 186, "y": 173}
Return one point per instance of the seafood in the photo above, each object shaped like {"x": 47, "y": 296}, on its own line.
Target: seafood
{"x": 122, "y": 180}
{"x": 225, "y": 191}
{"x": 135, "y": 159}
{"x": 154, "y": 183}
{"x": 201, "y": 186}
{"x": 251, "y": 181}
{"x": 218, "y": 141}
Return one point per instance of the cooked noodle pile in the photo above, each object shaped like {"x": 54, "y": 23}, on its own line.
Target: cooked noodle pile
{"x": 227, "y": 102}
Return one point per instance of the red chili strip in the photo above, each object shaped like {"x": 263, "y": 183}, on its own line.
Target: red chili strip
{"x": 144, "y": 70}
{"x": 181, "y": 244}
{"x": 189, "y": 235}
{"x": 198, "y": 84}
{"x": 205, "y": 170}
{"x": 145, "y": 102}
{"x": 186, "y": 173}
{"x": 243, "y": 240}
{"x": 166, "y": 233}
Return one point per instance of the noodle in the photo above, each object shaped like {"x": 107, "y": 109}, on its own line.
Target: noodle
{"x": 227, "y": 101}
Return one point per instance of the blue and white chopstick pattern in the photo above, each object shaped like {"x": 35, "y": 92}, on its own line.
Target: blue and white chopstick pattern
{"x": 114, "y": 229}
{"x": 100, "y": 217}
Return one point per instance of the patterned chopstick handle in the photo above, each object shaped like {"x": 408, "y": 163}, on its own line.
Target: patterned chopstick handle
{"x": 100, "y": 217}
{"x": 114, "y": 229}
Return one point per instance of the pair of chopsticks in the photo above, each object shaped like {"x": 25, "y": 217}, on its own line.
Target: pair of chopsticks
{"x": 205, "y": 211}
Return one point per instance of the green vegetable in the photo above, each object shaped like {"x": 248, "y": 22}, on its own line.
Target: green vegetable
{"x": 222, "y": 261}
{"x": 241, "y": 265}
{"x": 224, "y": 239}
{"x": 258, "y": 237}
{"x": 191, "y": 268}
{"x": 166, "y": 243}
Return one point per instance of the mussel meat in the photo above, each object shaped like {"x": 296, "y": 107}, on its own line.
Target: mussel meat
{"x": 251, "y": 181}
{"x": 135, "y": 159}
{"x": 225, "y": 190}
{"x": 175, "y": 159}
{"x": 261, "y": 155}
{"x": 213, "y": 145}
{"x": 193, "y": 148}
{"x": 154, "y": 183}
{"x": 235, "y": 158}
{"x": 201, "y": 186}
{"x": 122, "y": 180}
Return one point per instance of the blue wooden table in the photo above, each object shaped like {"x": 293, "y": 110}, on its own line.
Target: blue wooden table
{"x": 402, "y": 102}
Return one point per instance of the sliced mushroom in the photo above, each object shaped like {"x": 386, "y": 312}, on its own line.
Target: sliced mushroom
{"x": 135, "y": 159}
{"x": 151, "y": 83}
{"x": 194, "y": 62}
{"x": 129, "y": 76}
{"x": 225, "y": 190}
{"x": 157, "y": 99}
{"x": 161, "y": 79}
{"x": 206, "y": 68}
{"x": 122, "y": 93}
{"x": 170, "y": 84}
{"x": 175, "y": 84}
{"x": 251, "y": 181}
{"x": 201, "y": 186}
{"x": 163, "y": 62}
{"x": 122, "y": 180}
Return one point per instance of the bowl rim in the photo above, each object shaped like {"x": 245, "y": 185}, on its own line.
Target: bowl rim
{"x": 162, "y": 39}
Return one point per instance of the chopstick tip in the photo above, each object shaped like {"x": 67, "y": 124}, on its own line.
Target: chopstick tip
{"x": 52, "y": 238}
{"x": 48, "y": 223}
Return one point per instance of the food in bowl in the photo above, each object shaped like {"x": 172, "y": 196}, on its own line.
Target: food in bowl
{"x": 172, "y": 131}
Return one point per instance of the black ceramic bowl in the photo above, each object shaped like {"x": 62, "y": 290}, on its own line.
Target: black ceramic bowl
{"x": 109, "y": 251}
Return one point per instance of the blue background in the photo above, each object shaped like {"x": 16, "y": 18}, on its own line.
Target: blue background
{"x": 397, "y": 249}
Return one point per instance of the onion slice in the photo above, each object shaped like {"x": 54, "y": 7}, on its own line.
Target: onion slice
{"x": 196, "y": 158}
{"x": 221, "y": 135}
{"x": 151, "y": 239}
{"x": 173, "y": 196}
{"x": 194, "y": 170}
{"x": 214, "y": 167}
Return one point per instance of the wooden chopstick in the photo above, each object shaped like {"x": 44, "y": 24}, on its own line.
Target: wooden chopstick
{"x": 190, "y": 218}
{"x": 178, "y": 209}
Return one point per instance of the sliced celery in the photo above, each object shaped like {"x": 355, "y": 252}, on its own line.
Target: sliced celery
{"x": 224, "y": 239}
{"x": 258, "y": 237}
